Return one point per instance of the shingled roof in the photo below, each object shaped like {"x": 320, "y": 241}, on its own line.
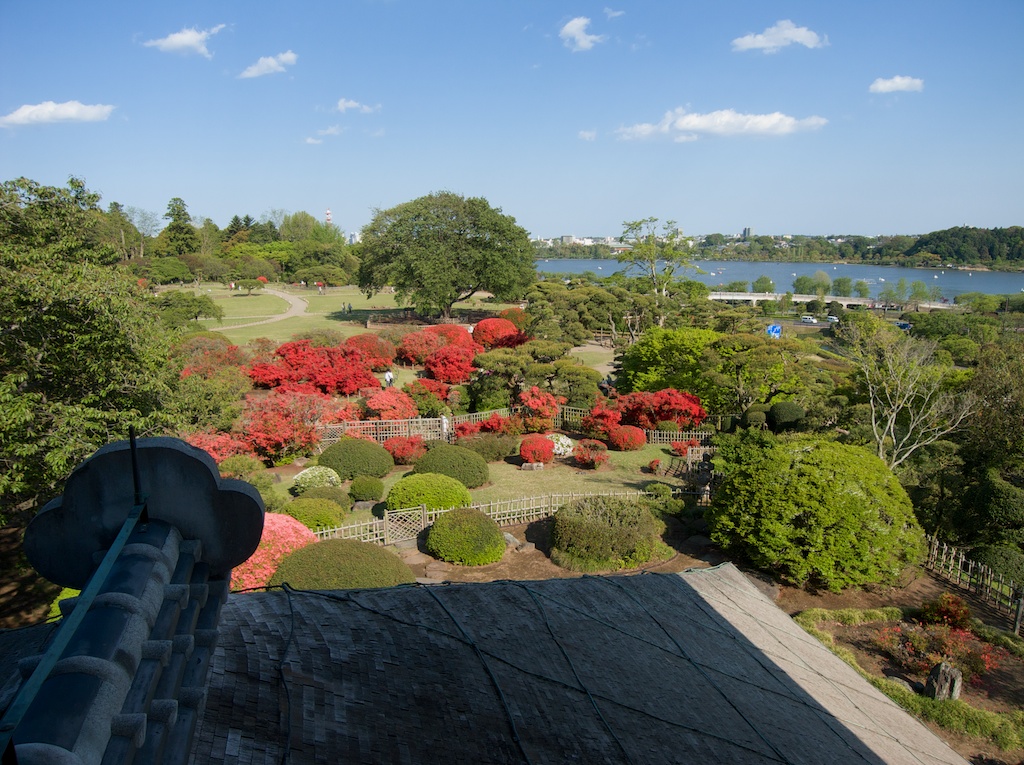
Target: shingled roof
{"x": 698, "y": 667}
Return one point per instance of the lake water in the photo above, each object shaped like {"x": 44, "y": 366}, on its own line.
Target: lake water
{"x": 952, "y": 282}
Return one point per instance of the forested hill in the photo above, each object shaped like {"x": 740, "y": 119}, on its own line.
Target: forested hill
{"x": 965, "y": 245}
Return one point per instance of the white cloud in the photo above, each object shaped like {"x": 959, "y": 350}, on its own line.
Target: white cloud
{"x": 270, "y": 65}
{"x": 189, "y": 40}
{"x": 332, "y": 130}
{"x": 899, "y": 83}
{"x": 49, "y": 111}
{"x": 588, "y": 135}
{"x": 775, "y": 38}
{"x": 345, "y": 104}
{"x": 574, "y": 35}
{"x": 314, "y": 141}
{"x": 682, "y": 126}
{"x": 613, "y": 14}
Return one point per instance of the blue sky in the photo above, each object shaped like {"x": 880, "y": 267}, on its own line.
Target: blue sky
{"x": 788, "y": 117}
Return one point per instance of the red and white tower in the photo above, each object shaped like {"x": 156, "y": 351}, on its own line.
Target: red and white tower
{"x": 328, "y": 216}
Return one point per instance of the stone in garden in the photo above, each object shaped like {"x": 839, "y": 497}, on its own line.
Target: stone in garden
{"x": 510, "y": 540}
{"x": 944, "y": 682}
{"x": 526, "y": 547}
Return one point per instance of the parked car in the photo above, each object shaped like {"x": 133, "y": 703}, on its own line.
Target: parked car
{"x": 832, "y": 319}
{"x": 808, "y": 319}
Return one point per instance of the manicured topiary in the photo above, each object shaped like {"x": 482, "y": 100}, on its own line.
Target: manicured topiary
{"x": 434, "y": 490}
{"x": 755, "y": 416}
{"x": 350, "y": 457}
{"x": 493, "y": 447}
{"x": 563, "y": 444}
{"x": 667, "y": 426}
{"x": 342, "y": 564}
{"x": 627, "y": 438}
{"x": 333, "y": 493}
{"x": 405, "y": 450}
{"x": 785, "y": 415}
{"x": 315, "y": 513}
{"x": 313, "y": 478}
{"x": 536, "y": 448}
{"x": 282, "y": 535}
{"x": 467, "y": 536}
{"x": 240, "y": 466}
{"x": 606, "y": 533}
{"x": 464, "y": 465}
{"x": 366, "y": 488}
{"x": 659, "y": 490}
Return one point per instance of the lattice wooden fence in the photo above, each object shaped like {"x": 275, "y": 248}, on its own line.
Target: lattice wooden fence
{"x": 953, "y": 565}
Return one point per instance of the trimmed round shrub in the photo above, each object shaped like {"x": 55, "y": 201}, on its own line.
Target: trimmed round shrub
{"x": 466, "y": 536}
{"x": 314, "y": 478}
{"x": 667, "y": 426}
{"x": 342, "y": 564}
{"x": 464, "y": 465}
{"x": 405, "y": 450}
{"x": 436, "y": 491}
{"x": 350, "y": 457}
{"x": 282, "y": 535}
{"x": 537, "y": 448}
{"x": 606, "y": 533}
{"x": 366, "y": 488}
{"x": 659, "y": 490}
{"x": 590, "y": 453}
{"x": 755, "y": 416}
{"x": 333, "y": 493}
{"x": 315, "y": 513}
{"x": 240, "y": 466}
{"x": 627, "y": 438}
{"x": 1004, "y": 559}
{"x": 493, "y": 447}
{"x": 785, "y": 415}
{"x": 563, "y": 444}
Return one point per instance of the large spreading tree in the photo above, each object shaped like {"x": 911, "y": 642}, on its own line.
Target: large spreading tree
{"x": 443, "y": 248}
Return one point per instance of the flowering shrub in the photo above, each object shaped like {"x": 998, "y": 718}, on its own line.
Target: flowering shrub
{"x": 645, "y": 410}
{"x": 489, "y": 332}
{"x": 948, "y": 609}
{"x": 220, "y": 446}
{"x": 603, "y": 418}
{"x": 390, "y": 404}
{"x": 432, "y": 397}
{"x": 262, "y": 279}
{"x": 536, "y": 448}
{"x": 284, "y": 424}
{"x": 682, "y": 448}
{"x": 377, "y": 352}
{"x": 563, "y": 444}
{"x": 589, "y": 453}
{"x": 517, "y": 316}
{"x": 451, "y": 364}
{"x": 627, "y": 438}
{"x": 918, "y": 648}
{"x": 339, "y": 369}
{"x": 314, "y": 478}
{"x": 467, "y": 429}
{"x": 539, "y": 409}
{"x": 405, "y": 449}
{"x": 416, "y": 346}
{"x": 654, "y": 466}
{"x": 206, "y": 356}
{"x": 282, "y": 535}
{"x": 453, "y": 334}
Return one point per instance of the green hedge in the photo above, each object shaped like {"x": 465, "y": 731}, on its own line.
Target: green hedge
{"x": 467, "y": 536}
{"x": 315, "y": 513}
{"x": 354, "y": 456}
{"x": 493, "y": 447}
{"x": 785, "y": 415}
{"x": 315, "y": 477}
{"x": 606, "y": 533}
{"x": 436, "y": 491}
{"x": 464, "y": 465}
{"x": 333, "y": 493}
{"x": 341, "y": 564}
{"x": 366, "y": 488}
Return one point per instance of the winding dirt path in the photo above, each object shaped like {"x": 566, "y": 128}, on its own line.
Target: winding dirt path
{"x": 296, "y": 307}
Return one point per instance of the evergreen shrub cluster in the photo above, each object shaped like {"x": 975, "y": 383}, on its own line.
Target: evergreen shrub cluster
{"x": 350, "y": 457}
{"x": 493, "y": 447}
{"x": 314, "y": 478}
{"x": 434, "y": 490}
{"x": 333, "y": 493}
{"x": 464, "y": 465}
{"x": 366, "y": 488}
{"x": 315, "y": 513}
{"x": 342, "y": 564}
{"x": 606, "y": 533}
{"x": 785, "y": 415}
{"x": 466, "y": 536}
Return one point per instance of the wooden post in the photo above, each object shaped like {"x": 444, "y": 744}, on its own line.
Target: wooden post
{"x": 1020, "y": 610}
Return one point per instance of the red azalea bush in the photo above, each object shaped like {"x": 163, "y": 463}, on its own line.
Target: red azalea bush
{"x": 488, "y": 332}
{"x": 627, "y": 438}
{"x": 285, "y": 423}
{"x": 339, "y": 369}
{"x": 282, "y": 535}
{"x": 645, "y": 410}
{"x": 378, "y": 353}
{"x": 589, "y": 453}
{"x": 262, "y": 279}
{"x": 205, "y": 356}
{"x": 949, "y": 609}
{"x": 654, "y": 466}
{"x": 517, "y": 316}
{"x": 390, "y": 404}
{"x": 429, "y": 396}
{"x": 539, "y": 409}
{"x": 682, "y": 448}
{"x": 603, "y": 418}
{"x": 220, "y": 446}
{"x": 453, "y": 335}
{"x": 416, "y": 346}
{"x": 537, "y": 448}
{"x": 467, "y": 429}
{"x": 451, "y": 364}
{"x": 405, "y": 449}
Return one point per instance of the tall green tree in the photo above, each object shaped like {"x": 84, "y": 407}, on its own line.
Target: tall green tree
{"x": 656, "y": 255}
{"x": 443, "y": 248}
{"x": 179, "y": 236}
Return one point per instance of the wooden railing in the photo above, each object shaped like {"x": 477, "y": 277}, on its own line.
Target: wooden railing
{"x": 955, "y": 565}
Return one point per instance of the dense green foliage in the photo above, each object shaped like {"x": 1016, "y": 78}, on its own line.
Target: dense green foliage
{"x": 315, "y": 513}
{"x": 366, "y": 488}
{"x": 606, "y": 533}
{"x": 350, "y": 457}
{"x": 812, "y": 511}
{"x": 466, "y": 536}
{"x": 315, "y": 477}
{"x": 333, "y": 493}
{"x": 435, "y": 491}
{"x": 785, "y": 415}
{"x": 464, "y": 465}
{"x": 1005, "y": 560}
{"x": 493, "y": 447}
{"x": 342, "y": 564}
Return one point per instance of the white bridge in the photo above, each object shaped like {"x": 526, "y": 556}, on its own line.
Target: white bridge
{"x": 847, "y": 302}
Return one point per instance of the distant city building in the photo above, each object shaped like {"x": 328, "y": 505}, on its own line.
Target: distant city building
{"x": 747, "y": 232}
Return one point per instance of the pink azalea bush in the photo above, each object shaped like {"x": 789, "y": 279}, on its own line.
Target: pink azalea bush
{"x": 282, "y": 535}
